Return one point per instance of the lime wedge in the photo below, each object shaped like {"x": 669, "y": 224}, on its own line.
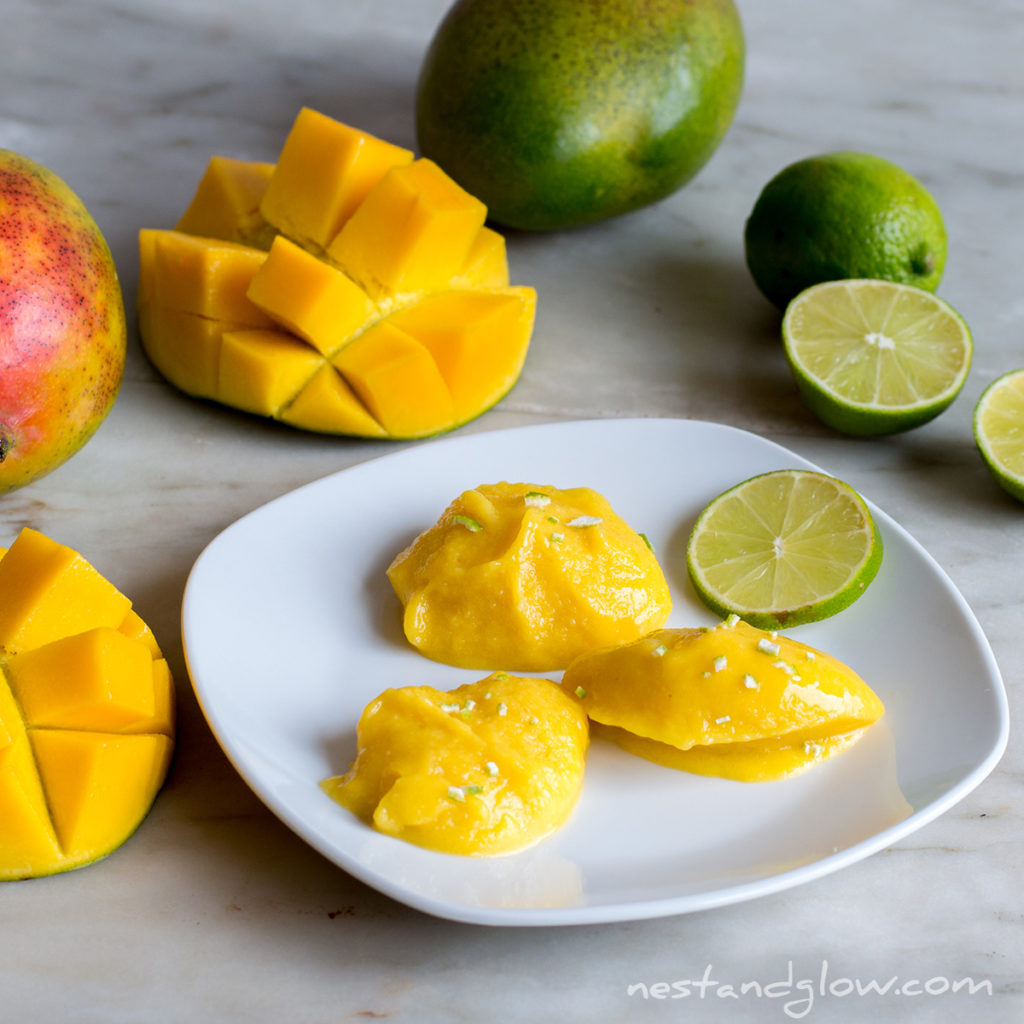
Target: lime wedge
{"x": 783, "y": 548}
{"x": 875, "y": 357}
{"x": 999, "y": 431}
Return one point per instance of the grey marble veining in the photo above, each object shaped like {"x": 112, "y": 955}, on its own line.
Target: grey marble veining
{"x": 215, "y": 911}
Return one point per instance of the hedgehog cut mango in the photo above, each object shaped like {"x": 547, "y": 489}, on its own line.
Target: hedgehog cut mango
{"x": 86, "y": 712}
{"x": 349, "y": 289}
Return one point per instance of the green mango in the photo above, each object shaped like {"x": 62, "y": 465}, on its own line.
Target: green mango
{"x": 557, "y": 113}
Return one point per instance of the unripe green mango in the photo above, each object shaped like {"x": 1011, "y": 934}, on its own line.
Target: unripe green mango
{"x": 562, "y": 112}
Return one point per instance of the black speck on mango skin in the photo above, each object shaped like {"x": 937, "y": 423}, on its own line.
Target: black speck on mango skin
{"x": 62, "y": 323}
{"x": 561, "y": 112}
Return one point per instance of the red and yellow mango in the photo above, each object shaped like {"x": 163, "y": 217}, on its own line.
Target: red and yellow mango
{"x": 62, "y": 324}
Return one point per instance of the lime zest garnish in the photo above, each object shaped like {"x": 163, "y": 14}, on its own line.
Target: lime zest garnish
{"x": 491, "y": 768}
{"x": 473, "y": 790}
{"x": 731, "y": 621}
{"x": 450, "y": 708}
{"x": 537, "y": 498}
{"x": 557, "y": 538}
{"x": 720, "y": 663}
{"x": 722, "y": 720}
{"x": 766, "y": 646}
{"x": 647, "y": 541}
{"x": 580, "y": 692}
{"x": 502, "y": 709}
{"x": 581, "y": 521}
{"x": 750, "y": 682}
{"x": 659, "y": 650}
{"x": 468, "y": 522}
{"x": 553, "y": 519}
{"x": 455, "y": 793}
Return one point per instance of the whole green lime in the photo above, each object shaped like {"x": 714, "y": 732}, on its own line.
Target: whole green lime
{"x": 843, "y": 215}
{"x": 557, "y": 113}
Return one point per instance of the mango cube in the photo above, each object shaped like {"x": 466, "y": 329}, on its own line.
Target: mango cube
{"x": 203, "y": 276}
{"x": 310, "y": 298}
{"x": 75, "y": 766}
{"x": 185, "y": 347}
{"x": 477, "y": 338}
{"x": 261, "y": 370}
{"x": 397, "y": 379}
{"x": 88, "y": 680}
{"x": 486, "y": 263}
{"x": 86, "y": 711}
{"x": 226, "y": 203}
{"x": 48, "y": 591}
{"x": 323, "y": 173}
{"x": 327, "y": 404}
{"x": 413, "y": 232}
{"x": 27, "y": 837}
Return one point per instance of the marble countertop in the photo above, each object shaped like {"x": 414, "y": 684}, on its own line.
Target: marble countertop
{"x": 214, "y": 910}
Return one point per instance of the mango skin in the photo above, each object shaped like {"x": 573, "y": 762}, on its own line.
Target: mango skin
{"x": 62, "y": 323}
{"x": 558, "y": 113}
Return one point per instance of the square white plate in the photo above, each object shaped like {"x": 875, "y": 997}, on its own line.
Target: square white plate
{"x": 290, "y": 628}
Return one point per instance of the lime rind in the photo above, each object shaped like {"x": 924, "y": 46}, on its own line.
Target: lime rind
{"x": 999, "y": 431}
{"x": 873, "y": 357}
{"x": 754, "y": 552}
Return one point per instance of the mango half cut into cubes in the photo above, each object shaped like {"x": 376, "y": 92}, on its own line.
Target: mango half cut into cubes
{"x": 349, "y": 289}
{"x": 86, "y": 712}
{"x": 732, "y": 700}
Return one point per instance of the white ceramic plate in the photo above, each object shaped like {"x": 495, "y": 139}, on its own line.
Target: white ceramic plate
{"x": 291, "y": 628}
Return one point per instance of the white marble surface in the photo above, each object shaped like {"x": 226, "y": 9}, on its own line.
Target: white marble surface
{"x": 214, "y": 911}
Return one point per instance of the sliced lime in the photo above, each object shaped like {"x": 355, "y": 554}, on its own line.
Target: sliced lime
{"x": 875, "y": 357}
{"x": 783, "y": 548}
{"x": 999, "y": 431}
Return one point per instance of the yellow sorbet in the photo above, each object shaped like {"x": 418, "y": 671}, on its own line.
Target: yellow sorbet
{"x": 733, "y": 700}
{"x": 527, "y": 577}
{"x": 487, "y": 768}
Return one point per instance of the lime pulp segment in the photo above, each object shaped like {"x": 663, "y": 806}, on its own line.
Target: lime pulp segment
{"x": 874, "y": 357}
{"x": 783, "y": 548}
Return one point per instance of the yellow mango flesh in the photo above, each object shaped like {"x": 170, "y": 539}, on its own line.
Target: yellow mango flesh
{"x": 413, "y": 233}
{"x": 310, "y": 298}
{"x": 488, "y": 768}
{"x": 262, "y": 370}
{"x": 86, "y": 712}
{"x": 48, "y": 592}
{"x": 226, "y": 203}
{"x": 324, "y": 172}
{"x": 486, "y": 263}
{"x": 329, "y": 405}
{"x": 185, "y": 348}
{"x": 411, "y": 321}
{"x": 527, "y": 578}
{"x": 478, "y": 339}
{"x": 733, "y": 700}
{"x": 397, "y": 380}
{"x": 205, "y": 277}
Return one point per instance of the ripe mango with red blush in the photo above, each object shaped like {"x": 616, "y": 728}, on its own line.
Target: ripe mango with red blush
{"x": 62, "y": 322}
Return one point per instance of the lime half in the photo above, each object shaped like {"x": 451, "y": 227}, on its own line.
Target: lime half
{"x": 875, "y": 357}
{"x": 999, "y": 431}
{"x": 783, "y": 548}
